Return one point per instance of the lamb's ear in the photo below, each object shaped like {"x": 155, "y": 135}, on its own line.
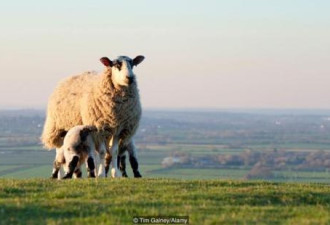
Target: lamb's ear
{"x": 63, "y": 133}
{"x": 84, "y": 133}
{"x": 106, "y": 61}
{"x": 137, "y": 60}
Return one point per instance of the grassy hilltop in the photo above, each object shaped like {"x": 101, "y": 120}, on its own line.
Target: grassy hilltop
{"x": 116, "y": 201}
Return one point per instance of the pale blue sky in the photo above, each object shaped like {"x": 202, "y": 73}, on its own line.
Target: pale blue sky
{"x": 199, "y": 54}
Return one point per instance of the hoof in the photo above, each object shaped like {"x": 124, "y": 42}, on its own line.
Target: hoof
{"x": 67, "y": 176}
{"x": 137, "y": 174}
{"x": 91, "y": 175}
{"x": 78, "y": 174}
{"x": 124, "y": 174}
{"x": 115, "y": 173}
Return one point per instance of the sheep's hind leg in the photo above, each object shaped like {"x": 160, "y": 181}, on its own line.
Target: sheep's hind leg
{"x": 133, "y": 159}
{"x": 107, "y": 159}
{"x": 122, "y": 165}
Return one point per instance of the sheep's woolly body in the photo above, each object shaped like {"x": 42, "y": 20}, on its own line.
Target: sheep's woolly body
{"x": 91, "y": 99}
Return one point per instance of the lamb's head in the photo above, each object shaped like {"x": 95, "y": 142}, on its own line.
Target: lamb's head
{"x": 122, "y": 69}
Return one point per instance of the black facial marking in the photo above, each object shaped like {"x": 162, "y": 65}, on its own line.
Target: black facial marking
{"x": 118, "y": 64}
{"x": 131, "y": 63}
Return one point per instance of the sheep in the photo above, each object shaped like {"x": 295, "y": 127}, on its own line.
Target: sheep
{"x": 76, "y": 150}
{"x": 109, "y": 99}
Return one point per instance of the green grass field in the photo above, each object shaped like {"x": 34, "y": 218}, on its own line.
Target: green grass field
{"x": 37, "y": 163}
{"x": 117, "y": 201}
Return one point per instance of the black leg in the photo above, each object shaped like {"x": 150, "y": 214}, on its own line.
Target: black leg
{"x": 135, "y": 166}
{"x": 90, "y": 167}
{"x": 108, "y": 159}
{"x": 78, "y": 173}
{"x": 122, "y": 165}
{"x": 72, "y": 167}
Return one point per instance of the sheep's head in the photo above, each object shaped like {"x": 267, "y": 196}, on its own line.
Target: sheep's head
{"x": 122, "y": 69}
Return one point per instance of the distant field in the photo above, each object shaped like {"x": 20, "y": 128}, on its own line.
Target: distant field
{"x": 118, "y": 201}
{"x": 196, "y": 134}
{"x": 37, "y": 163}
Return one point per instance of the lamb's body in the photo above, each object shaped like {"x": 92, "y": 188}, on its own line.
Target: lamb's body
{"x": 92, "y": 99}
{"x": 77, "y": 148}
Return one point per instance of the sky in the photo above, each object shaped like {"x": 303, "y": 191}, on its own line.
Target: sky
{"x": 199, "y": 54}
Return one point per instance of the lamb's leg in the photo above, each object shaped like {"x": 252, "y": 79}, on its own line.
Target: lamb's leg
{"x": 114, "y": 153}
{"x": 59, "y": 160}
{"x": 90, "y": 167}
{"x": 71, "y": 167}
{"x": 78, "y": 173}
{"x": 56, "y": 169}
{"x": 133, "y": 159}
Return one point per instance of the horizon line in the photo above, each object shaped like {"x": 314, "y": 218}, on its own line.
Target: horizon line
{"x": 261, "y": 110}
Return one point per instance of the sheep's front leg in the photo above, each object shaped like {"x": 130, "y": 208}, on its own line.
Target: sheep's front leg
{"x": 133, "y": 159}
{"x": 114, "y": 153}
{"x": 102, "y": 152}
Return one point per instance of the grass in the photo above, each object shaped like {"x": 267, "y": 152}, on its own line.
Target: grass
{"x": 196, "y": 173}
{"x": 116, "y": 201}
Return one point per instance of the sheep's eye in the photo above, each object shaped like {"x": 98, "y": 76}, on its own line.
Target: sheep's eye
{"x": 118, "y": 65}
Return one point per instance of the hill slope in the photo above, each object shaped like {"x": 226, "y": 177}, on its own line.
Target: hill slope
{"x": 116, "y": 201}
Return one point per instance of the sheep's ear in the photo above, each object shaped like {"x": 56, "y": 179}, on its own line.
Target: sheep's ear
{"x": 106, "y": 61}
{"x": 137, "y": 60}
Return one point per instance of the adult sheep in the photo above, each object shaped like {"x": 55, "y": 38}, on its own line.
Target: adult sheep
{"x": 109, "y": 99}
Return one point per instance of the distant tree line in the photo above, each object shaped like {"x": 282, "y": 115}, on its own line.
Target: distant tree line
{"x": 261, "y": 163}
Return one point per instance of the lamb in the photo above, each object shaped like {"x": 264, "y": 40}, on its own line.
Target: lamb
{"x": 76, "y": 149}
{"x": 109, "y": 99}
